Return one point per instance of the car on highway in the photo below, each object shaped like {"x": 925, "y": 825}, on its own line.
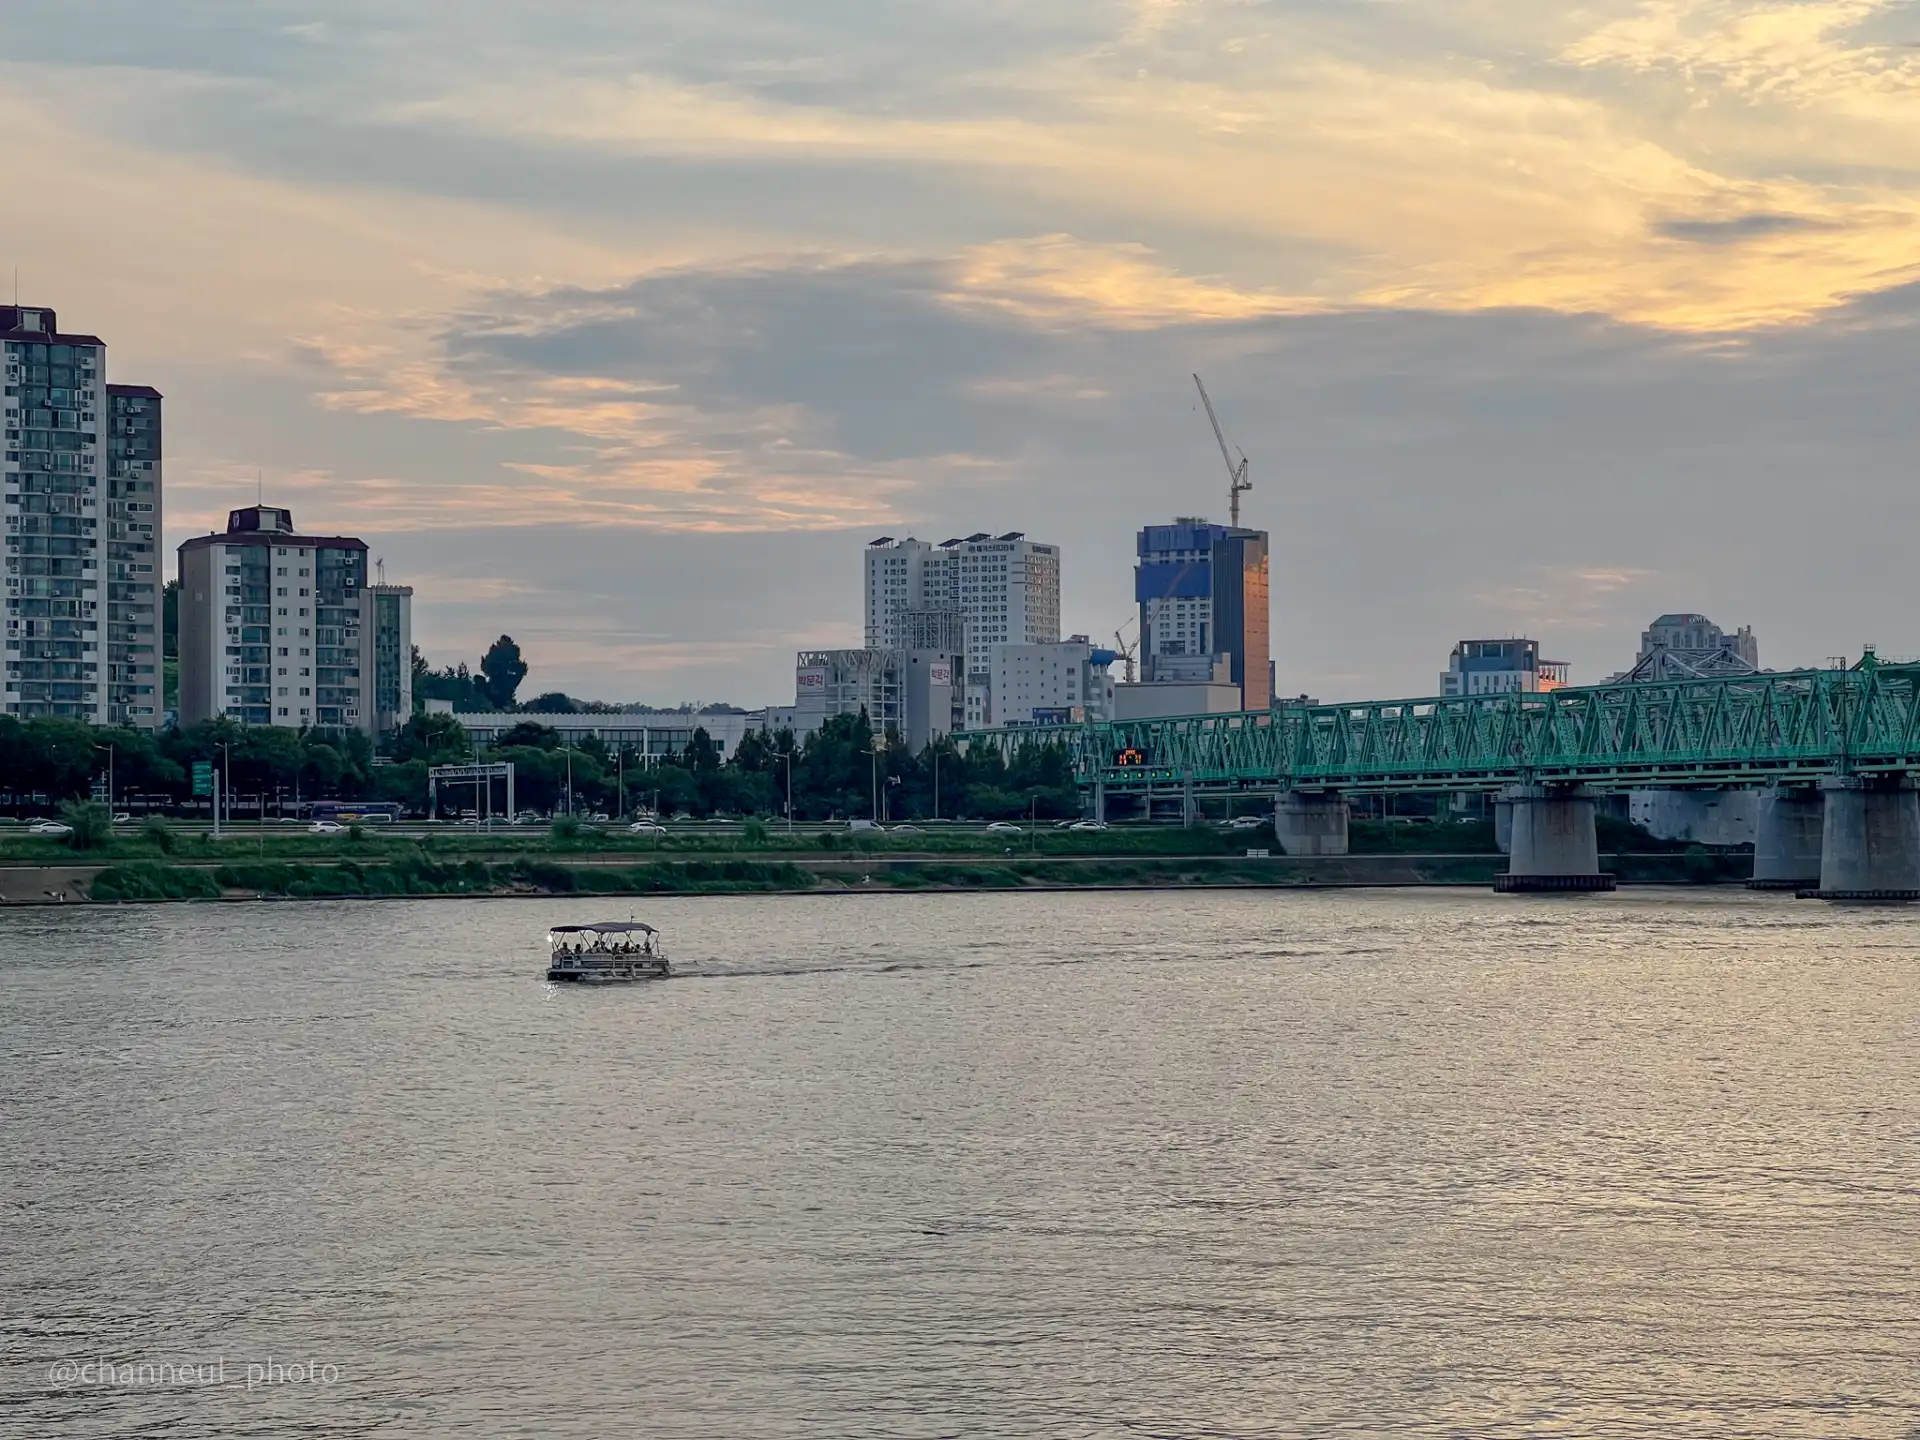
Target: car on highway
{"x": 1088, "y": 825}
{"x": 1246, "y": 822}
{"x": 325, "y": 827}
{"x": 646, "y": 827}
{"x": 1004, "y": 827}
{"x": 49, "y": 827}
{"x": 123, "y": 818}
{"x": 908, "y": 830}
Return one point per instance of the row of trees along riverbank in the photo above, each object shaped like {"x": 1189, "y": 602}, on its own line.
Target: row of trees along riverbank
{"x": 835, "y": 773}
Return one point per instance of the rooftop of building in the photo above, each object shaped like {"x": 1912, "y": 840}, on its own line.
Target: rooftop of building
{"x": 39, "y": 324}
{"x": 268, "y": 525}
{"x": 146, "y": 392}
{"x": 1678, "y": 618}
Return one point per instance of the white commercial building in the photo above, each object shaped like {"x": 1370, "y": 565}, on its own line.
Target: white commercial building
{"x": 1062, "y": 683}
{"x": 82, "y": 503}
{"x": 280, "y": 628}
{"x": 911, "y": 692}
{"x": 645, "y": 736}
{"x": 1500, "y": 667}
{"x": 1005, "y": 588}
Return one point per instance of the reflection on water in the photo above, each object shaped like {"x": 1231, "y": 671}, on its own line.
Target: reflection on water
{"x": 1202, "y": 1164}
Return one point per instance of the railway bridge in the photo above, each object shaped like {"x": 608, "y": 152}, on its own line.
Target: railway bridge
{"x": 1834, "y": 754}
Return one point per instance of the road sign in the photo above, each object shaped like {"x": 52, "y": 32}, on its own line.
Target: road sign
{"x": 203, "y": 777}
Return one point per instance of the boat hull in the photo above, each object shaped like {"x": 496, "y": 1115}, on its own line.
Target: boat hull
{"x": 608, "y": 972}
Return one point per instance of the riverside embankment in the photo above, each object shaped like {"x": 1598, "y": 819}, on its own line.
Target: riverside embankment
{"x": 156, "y": 866}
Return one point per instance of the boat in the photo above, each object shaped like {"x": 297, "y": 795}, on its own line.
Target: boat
{"x": 607, "y": 950}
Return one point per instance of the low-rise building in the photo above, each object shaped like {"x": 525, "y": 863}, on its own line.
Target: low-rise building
{"x": 647, "y": 737}
{"x": 912, "y": 692}
{"x": 1160, "y": 699}
{"x": 1066, "y": 682}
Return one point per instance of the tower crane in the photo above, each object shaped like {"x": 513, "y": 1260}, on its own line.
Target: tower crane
{"x": 1127, "y": 652}
{"x": 1237, "y": 482}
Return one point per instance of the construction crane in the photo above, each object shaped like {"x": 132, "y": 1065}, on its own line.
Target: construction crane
{"x": 1237, "y": 482}
{"x": 1127, "y": 652}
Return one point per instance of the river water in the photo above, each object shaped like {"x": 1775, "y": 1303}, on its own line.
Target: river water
{"x": 1189, "y": 1164}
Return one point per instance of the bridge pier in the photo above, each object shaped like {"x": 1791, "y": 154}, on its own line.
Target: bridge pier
{"x": 1870, "y": 843}
{"x": 1554, "y": 844}
{"x": 1787, "y": 821}
{"x": 1503, "y": 824}
{"x": 1311, "y": 822}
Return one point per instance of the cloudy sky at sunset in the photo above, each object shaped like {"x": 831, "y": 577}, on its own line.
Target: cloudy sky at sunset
{"x": 622, "y": 325}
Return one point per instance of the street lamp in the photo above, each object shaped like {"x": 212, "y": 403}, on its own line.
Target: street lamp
{"x": 787, "y": 757}
{"x": 877, "y": 749}
{"x": 108, "y": 747}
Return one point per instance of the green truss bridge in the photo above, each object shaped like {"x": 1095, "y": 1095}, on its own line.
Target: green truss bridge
{"x": 1803, "y": 733}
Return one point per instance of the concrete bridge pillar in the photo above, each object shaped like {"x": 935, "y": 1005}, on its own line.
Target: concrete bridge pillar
{"x": 1787, "y": 821}
{"x": 1870, "y": 843}
{"x": 1311, "y": 822}
{"x": 1554, "y": 846}
{"x": 1503, "y": 825}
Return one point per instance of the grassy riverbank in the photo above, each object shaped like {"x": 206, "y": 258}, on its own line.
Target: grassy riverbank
{"x": 150, "y": 881}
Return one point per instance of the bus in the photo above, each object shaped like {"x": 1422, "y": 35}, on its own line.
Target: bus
{"x": 348, "y": 812}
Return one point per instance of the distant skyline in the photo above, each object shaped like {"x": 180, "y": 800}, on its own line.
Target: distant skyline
{"x": 623, "y": 327}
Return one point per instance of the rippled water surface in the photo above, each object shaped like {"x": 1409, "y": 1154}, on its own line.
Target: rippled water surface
{"x": 1170, "y": 1165}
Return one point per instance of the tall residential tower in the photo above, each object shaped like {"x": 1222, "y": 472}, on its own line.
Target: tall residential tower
{"x": 82, "y": 582}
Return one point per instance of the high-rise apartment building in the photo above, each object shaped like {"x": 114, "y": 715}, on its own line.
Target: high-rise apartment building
{"x": 1203, "y": 593}
{"x": 82, "y": 578}
{"x": 136, "y": 581}
{"x": 1005, "y": 588}
{"x": 280, "y": 628}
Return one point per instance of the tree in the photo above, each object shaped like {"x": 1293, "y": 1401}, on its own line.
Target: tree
{"x": 435, "y": 739}
{"x": 529, "y": 732}
{"x": 502, "y": 670}
{"x": 90, "y": 825}
{"x": 170, "y": 620}
{"x": 554, "y": 702}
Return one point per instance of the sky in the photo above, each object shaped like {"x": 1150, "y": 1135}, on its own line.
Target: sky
{"x": 622, "y": 325}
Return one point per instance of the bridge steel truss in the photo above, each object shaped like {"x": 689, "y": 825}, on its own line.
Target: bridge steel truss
{"x": 1747, "y": 730}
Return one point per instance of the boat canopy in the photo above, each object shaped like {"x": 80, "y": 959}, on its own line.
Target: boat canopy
{"x": 605, "y": 927}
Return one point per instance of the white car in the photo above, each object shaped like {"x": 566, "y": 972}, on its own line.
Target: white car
{"x": 49, "y": 827}
{"x": 1088, "y": 825}
{"x": 1246, "y": 822}
{"x": 1004, "y": 827}
{"x": 908, "y": 830}
{"x": 123, "y": 818}
{"x": 646, "y": 827}
{"x": 324, "y": 827}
